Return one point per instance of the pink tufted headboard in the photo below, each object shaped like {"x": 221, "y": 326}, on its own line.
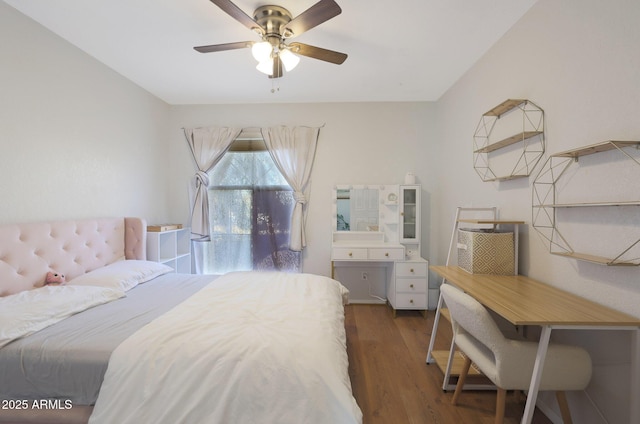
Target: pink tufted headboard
{"x": 28, "y": 251}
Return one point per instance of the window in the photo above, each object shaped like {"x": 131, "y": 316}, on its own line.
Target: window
{"x": 250, "y": 208}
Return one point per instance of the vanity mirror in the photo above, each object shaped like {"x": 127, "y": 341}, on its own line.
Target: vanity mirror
{"x": 356, "y": 208}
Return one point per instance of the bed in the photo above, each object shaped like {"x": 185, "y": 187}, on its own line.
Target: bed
{"x": 128, "y": 340}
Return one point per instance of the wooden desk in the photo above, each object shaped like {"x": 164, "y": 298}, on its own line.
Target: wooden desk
{"x": 524, "y": 301}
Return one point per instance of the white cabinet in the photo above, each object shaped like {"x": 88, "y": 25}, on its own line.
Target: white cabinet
{"x": 172, "y": 247}
{"x": 410, "y": 220}
{"x": 410, "y": 287}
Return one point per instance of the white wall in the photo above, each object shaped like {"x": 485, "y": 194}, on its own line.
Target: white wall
{"x": 360, "y": 143}
{"x": 580, "y": 61}
{"x": 76, "y": 139}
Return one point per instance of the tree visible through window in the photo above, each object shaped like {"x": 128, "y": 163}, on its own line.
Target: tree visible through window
{"x": 250, "y": 208}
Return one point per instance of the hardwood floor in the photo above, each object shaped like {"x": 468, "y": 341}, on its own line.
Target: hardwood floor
{"x": 392, "y": 383}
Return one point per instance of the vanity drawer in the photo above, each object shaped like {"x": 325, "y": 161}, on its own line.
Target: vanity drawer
{"x": 346, "y": 254}
{"x": 411, "y": 269}
{"x": 386, "y": 254}
{"x": 409, "y": 285}
{"x": 411, "y": 301}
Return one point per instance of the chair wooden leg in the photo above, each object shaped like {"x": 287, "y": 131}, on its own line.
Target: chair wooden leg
{"x": 500, "y": 403}
{"x": 519, "y": 397}
{"x": 461, "y": 378}
{"x": 564, "y": 407}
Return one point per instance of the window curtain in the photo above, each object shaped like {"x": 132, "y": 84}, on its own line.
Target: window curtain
{"x": 293, "y": 150}
{"x": 272, "y": 210}
{"x": 207, "y": 146}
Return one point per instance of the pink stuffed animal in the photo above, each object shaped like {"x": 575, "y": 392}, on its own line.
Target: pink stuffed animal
{"x": 54, "y": 278}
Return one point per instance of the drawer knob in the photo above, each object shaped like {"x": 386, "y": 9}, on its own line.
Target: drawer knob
{"x": 411, "y": 270}
{"x": 411, "y": 286}
{"x": 350, "y": 254}
{"x": 386, "y": 254}
{"x": 411, "y": 301}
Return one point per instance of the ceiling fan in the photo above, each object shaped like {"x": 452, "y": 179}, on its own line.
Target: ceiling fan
{"x": 275, "y": 25}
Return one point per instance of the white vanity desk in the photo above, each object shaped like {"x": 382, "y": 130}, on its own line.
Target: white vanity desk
{"x": 364, "y": 246}
{"x": 385, "y": 261}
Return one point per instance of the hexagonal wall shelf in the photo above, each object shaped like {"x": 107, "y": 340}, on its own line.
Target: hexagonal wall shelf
{"x": 546, "y": 204}
{"x": 518, "y": 127}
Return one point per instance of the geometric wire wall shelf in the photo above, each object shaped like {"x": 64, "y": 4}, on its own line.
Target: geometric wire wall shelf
{"x": 530, "y": 133}
{"x": 545, "y": 204}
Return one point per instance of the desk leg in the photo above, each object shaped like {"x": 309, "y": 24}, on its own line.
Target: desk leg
{"x": 447, "y": 373}
{"x": 436, "y": 319}
{"x": 532, "y": 396}
{"x": 634, "y": 414}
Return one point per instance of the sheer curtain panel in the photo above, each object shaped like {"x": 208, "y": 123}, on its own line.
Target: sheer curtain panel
{"x": 293, "y": 150}
{"x": 207, "y": 146}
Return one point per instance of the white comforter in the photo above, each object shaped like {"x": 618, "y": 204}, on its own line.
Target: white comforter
{"x": 248, "y": 348}
{"x": 29, "y": 311}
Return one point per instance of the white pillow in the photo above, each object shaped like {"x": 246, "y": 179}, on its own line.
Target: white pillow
{"x": 29, "y": 311}
{"x": 123, "y": 275}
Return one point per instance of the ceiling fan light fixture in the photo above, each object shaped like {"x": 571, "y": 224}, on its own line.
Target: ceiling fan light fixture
{"x": 289, "y": 60}
{"x": 275, "y": 25}
{"x": 266, "y": 66}
{"x": 261, "y": 51}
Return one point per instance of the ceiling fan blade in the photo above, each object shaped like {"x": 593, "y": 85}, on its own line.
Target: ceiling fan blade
{"x": 222, "y": 47}
{"x": 318, "y": 53}
{"x": 277, "y": 68}
{"x": 312, "y": 17}
{"x": 236, "y": 13}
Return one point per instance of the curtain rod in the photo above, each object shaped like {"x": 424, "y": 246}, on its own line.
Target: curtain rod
{"x": 260, "y": 128}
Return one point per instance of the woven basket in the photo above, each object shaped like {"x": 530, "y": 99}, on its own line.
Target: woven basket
{"x": 484, "y": 252}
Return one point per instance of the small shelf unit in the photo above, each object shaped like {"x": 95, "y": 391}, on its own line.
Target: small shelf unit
{"x": 530, "y": 135}
{"x": 172, "y": 248}
{"x": 588, "y": 204}
{"x": 451, "y": 362}
{"x": 441, "y": 358}
{"x": 545, "y": 203}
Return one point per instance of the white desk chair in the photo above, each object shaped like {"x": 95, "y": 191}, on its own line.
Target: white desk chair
{"x": 509, "y": 363}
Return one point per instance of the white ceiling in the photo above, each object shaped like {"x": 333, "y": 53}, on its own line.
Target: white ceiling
{"x": 399, "y": 50}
